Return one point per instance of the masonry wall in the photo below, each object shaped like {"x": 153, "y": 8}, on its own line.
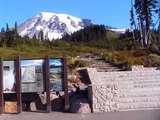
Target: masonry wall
{"x": 138, "y": 89}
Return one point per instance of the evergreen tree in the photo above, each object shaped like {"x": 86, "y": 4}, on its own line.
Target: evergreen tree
{"x": 149, "y": 7}
{"x": 159, "y": 23}
{"x": 40, "y": 35}
{"x": 15, "y": 29}
{"x": 46, "y": 36}
{"x": 2, "y": 37}
{"x": 145, "y": 10}
{"x": 138, "y": 8}
{"x": 2, "y": 30}
{"x": 34, "y": 37}
{"x": 7, "y": 27}
{"x": 10, "y": 39}
{"x": 91, "y": 33}
{"x": 132, "y": 20}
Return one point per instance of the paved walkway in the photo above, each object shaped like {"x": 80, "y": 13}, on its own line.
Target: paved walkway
{"x": 134, "y": 115}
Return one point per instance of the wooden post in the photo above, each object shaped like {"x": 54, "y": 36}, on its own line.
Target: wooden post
{"x": 65, "y": 78}
{"x": 1, "y": 87}
{"x": 18, "y": 85}
{"x": 47, "y": 84}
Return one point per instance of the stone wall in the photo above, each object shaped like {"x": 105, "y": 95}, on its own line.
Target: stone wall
{"x": 138, "y": 89}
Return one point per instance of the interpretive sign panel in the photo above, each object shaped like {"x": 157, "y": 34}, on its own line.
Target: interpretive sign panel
{"x": 56, "y": 74}
{"x": 32, "y": 75}
{"x": 9, "y": 76}
{"x": 22, "y": 78}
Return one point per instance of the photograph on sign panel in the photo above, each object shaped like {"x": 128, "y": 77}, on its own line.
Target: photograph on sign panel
{"x": 55, "y": 74}
{"x": 55, "y": 62}
{"x": 32, "y": 75}
{"x": 8, "y": 76}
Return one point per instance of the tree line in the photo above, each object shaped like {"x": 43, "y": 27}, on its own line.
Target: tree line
{"x": 8, "y": 36}
{"x": 90, "y": 33}
{"x": 94, "y": 36}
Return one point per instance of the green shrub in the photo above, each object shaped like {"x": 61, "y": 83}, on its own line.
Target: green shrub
{"x": 140, "y": 61}
{"x": 153, "y": 48}
{"x": 153, "y": 60}
{"x": 141, "y": 52}
{"x": 118, "y": 59}
{"x": 107, "y": 57}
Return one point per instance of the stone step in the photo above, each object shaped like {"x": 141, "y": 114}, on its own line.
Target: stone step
{"x": 139, "y": 90}
{"x": 130, "y": 79}
{"x": 138, "y": 77}
{"x": 140, "y": 105}
{"x": 136, "y": 99}
{"x": 133, "y": 84}
{"x": 136, "y": 85}
{"x": 130, "y": 84}
{"x": 128, "y": 74}
{"x": 107, "y": 69}
{"x": 100, "y": 61}
{"x": 101, "y": 65}
{"x": 104, "y": 67}
{"x": 139, "y": 94}
{"x": 138, "y": 109}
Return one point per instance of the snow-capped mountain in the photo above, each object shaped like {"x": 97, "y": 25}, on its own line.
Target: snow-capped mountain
{"x": 53, "y": 25}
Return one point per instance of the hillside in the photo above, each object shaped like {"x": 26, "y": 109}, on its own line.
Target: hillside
{"x": 121, "y": 58}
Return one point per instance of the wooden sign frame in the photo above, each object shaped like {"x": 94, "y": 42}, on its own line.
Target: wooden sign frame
{"x": 18, "y": 93}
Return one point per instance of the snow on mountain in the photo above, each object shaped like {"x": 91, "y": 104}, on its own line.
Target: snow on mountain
{"x": 119, "y": 31}
{"x": 53, "y": 25}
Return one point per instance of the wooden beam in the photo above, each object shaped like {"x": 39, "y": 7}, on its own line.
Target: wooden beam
{"x": 65, "y": 81}
{"x": 1, "y": 87}
{"x": 18, "y": 85}
{"x": 47, "y": 84}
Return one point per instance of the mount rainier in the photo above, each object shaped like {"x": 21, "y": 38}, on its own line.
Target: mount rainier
{"x": 53, "y": 25}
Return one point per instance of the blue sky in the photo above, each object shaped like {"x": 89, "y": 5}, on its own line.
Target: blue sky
{"x": 109, "y": 12}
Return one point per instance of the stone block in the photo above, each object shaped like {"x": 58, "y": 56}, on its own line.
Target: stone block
{"x": 127, "y": 90}
{"x": 33, "y": 106}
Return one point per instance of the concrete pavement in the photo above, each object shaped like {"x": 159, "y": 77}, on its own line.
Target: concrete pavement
{"x": 131, "y": 115}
